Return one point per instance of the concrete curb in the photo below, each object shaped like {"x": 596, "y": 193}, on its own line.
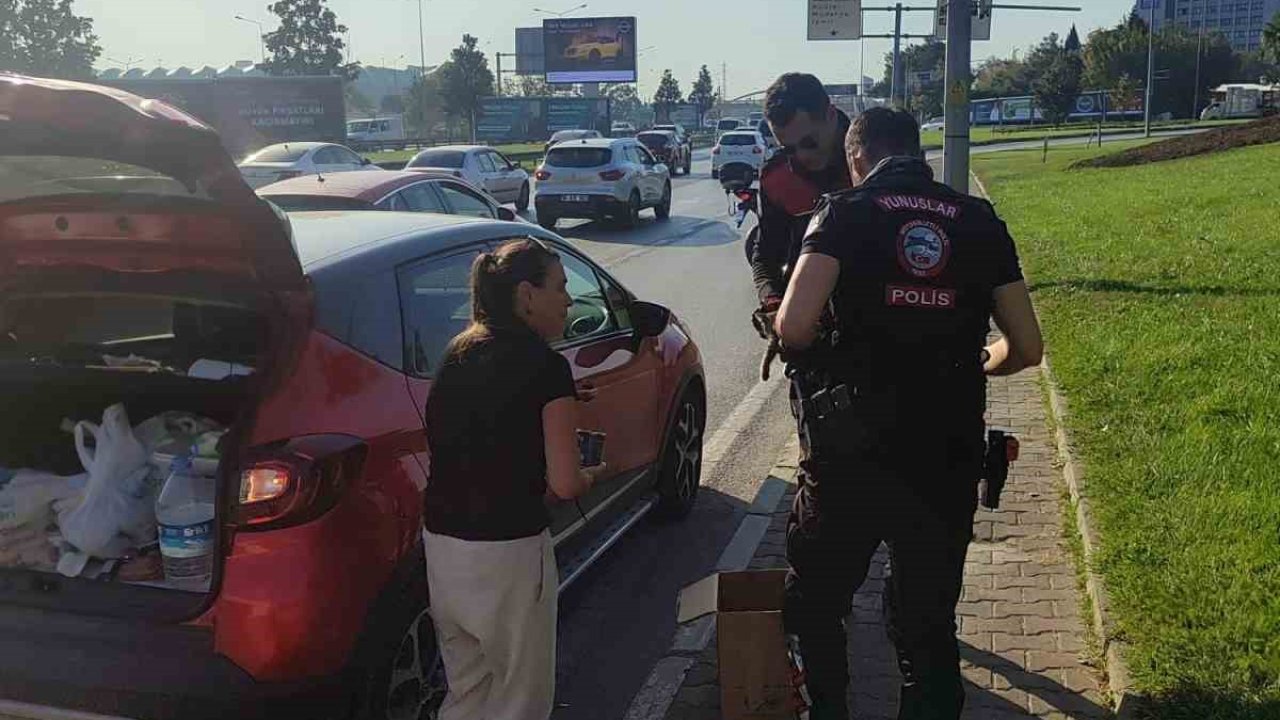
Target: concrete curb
{"x": 664, "y": 681}
{"x": 1127, "y": 701}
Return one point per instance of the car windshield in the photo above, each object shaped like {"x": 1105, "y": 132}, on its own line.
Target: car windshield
{"x": 579, "y": 157}
{"x": 28, "y": 176}
{"x": 567, "y": 135}
{"x": 738, "y": 139}
{"x": 728, "y": 124}
{"x": 439, "y": 159}
{"x": 317, "y": 202}
{"x": 285, "y": 153}
{"x": 653, "y": 140}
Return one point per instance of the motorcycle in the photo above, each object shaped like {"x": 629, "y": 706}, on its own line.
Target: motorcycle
{"x": 736, "y": 179}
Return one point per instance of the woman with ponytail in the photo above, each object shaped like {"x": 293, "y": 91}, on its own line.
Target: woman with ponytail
{"x": 502, "y": 434}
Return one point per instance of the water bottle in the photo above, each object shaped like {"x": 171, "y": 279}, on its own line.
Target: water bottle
{"x": 185, "y": 513}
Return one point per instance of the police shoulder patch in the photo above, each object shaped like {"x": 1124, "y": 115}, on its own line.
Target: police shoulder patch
{"x": 820, "y": 217}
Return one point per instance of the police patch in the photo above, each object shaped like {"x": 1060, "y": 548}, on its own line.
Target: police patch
{"x": 923, "y": 248}
{"x": 819, "y": 217}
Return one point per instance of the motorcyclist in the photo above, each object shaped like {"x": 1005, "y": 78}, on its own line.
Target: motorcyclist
{"x": 910, "y": 273}
{"x": 809, "y": 163}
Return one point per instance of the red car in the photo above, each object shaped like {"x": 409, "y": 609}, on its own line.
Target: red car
{"x": 126, "y": 232}
{"x": 399, "y": 190}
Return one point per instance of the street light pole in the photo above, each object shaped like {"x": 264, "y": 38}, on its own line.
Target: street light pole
{"x": 1195, "y": 104}
{"x": 897, "y": 55}
{"x": 562, "y": 13}
{"x": 262, "y": 36}
{"x": 955, "y": 148}
{"x": 1151, "y": 55}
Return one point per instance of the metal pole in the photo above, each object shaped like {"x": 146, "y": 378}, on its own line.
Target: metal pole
{"x": 422, "y": 72}
{"x": 897, "y": 55}
{"x": 955, "y": 149}
{"x": 1195, "y": 104}
{"x": 1151, "y": 55}
{"x": 499, "y": 88}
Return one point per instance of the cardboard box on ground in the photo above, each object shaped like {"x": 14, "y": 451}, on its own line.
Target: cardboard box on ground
{"x": 751, "y": 648}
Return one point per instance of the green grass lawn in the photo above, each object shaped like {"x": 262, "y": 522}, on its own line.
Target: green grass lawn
{"x": 987, "y": 134}
{"x": 1159, "y": 290}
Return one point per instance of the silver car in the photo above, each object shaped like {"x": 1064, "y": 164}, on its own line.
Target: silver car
{"x": 604, "y": 178}
{"x": 483, "y": 167}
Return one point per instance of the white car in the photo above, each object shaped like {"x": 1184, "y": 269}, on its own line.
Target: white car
{"x": 933, "y": 124}
{"x": 740, "y": 146}
{"x": 290, "y": 160}
{"x": 622, "y": 129}
{"x": 729, "y": 124}
{"x": 597, "y": 179}
{"x": 483, "y": 167}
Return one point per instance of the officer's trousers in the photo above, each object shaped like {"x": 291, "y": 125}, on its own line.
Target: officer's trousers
{"x": 838, "y": 521}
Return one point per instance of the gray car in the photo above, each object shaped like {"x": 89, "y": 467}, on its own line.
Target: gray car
{"x": 481, "y": 166}
{"x": 598, "y": 179}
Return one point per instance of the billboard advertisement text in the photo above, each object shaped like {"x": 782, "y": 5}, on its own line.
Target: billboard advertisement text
{"x": 512, "y": 120}
{"x": 585, "y": 50}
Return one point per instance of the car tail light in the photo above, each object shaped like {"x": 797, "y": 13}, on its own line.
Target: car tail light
{"x": 296, "y": 481}
{"x": 715, "y": 150}
{"x": 612, "y": 175}
{"x": 757, "y": 150}
{"x": 542, "y": 175}
{"x": 288, "y": 175}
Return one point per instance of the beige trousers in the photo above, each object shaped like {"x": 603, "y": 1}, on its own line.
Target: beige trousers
{"x": 494, "y": 608}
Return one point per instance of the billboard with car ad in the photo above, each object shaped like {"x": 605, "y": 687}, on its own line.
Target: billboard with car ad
{"x": 251, "y": 113}
{"x": 526, "y": 119}
{"x": 1092, "y": 105}
{"x": 587, "y": 50}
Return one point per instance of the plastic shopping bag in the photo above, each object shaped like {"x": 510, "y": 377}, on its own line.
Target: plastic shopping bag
{"x": 117, "y": 511}
{"x": 27, "y": 498}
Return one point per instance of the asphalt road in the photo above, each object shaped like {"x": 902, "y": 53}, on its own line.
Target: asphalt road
{"x": 618, "y": 619}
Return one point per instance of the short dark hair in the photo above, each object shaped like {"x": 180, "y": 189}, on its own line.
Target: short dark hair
{"x": 792, "y": 93}
{"x": 881, "y": 132}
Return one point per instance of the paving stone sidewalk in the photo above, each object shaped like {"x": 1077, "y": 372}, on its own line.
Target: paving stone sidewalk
{"x": 1022, "y": 631}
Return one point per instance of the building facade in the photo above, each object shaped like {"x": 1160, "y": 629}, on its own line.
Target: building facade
{"x": 1240, "y": 21}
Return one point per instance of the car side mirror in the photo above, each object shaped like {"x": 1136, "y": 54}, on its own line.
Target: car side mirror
{"x": 517, "y": 165}
{"x": 506, "y": 214}
{"x": 650, "y": 319}
{"x": 366, "y": 161}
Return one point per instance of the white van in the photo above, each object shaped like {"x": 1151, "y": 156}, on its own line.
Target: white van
{"x": 364, "y": 134}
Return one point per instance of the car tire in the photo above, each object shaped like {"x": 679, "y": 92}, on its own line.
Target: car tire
{"x": 547, "y": 221}
{"x": 400, "y": 673}
{"x": 680, "y": 474}
{"x": 594, "y": 56}
{"x": 522, "y": 202}
{"x": 631, "y": 220}
{"x": 688, "y": 163}
{"x": 662, "y": 210}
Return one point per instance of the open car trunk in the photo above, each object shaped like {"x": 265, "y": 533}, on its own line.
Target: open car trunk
{"x": 185, "y": 371}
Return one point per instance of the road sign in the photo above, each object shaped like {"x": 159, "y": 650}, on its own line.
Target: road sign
{"x": 835, "y": 19}
{"x": 841, "y": 89}
{"x": 980, "y": 22}
{"x": 922, "y": 78}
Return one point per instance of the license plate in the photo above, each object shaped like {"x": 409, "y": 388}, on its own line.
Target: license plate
{"x": 575, "y": 198}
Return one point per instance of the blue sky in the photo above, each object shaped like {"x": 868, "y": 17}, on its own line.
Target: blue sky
{"x": 757, "y": 39}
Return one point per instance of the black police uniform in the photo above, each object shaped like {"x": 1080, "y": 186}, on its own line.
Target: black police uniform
{"x": 789, "y": 195}
{"x": 900, "y": 458}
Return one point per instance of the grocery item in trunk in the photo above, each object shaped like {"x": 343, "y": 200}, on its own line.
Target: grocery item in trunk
{"x": 27, "y": 497}
{"x": 185, "y": 512}
{"x": 115, "y": 513}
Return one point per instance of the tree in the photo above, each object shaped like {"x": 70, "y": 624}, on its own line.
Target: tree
{"x": 391, "y": 105}
{"x": 357, "y": 102}
{"x": 924, "y": 97}
{"x": 703, "y": 94}
{"x": 667, "y": 96}
{"x": 465, "y": 78}
{"x": 308, "y": 41}
{"x": 425, "y": 105}
{"x": 526, "y": 86}
{"x": 44, "y": 37}
{"x": 624, "y": 102}
{"x": 1072, "y": 43}
{"x": 1271, "y": 42}
{"x": 1057, "y": 79}
{"x": 1002, "y": 78}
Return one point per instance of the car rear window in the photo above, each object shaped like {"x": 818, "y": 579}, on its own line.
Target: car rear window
{"x": 653, "y": 140}
{"x": 728, "y": 124}
{"x": 439, "y": 159}
{"x": 28, "y": 176}
{"x": 738, "y": 139}
{"x": 299, "y": 203}
{"x": 288, "y": 152}
{"x": 579, "y": 157}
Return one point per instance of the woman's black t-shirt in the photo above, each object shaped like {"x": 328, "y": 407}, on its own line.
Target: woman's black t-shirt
{"x": 484, "y": 428}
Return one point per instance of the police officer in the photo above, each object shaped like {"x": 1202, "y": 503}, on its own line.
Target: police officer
{"x": 808, "y": 164}
{"x": 908, "y": 274}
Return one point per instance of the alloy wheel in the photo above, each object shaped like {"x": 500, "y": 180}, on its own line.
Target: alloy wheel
{"x": 418, "y": 686}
